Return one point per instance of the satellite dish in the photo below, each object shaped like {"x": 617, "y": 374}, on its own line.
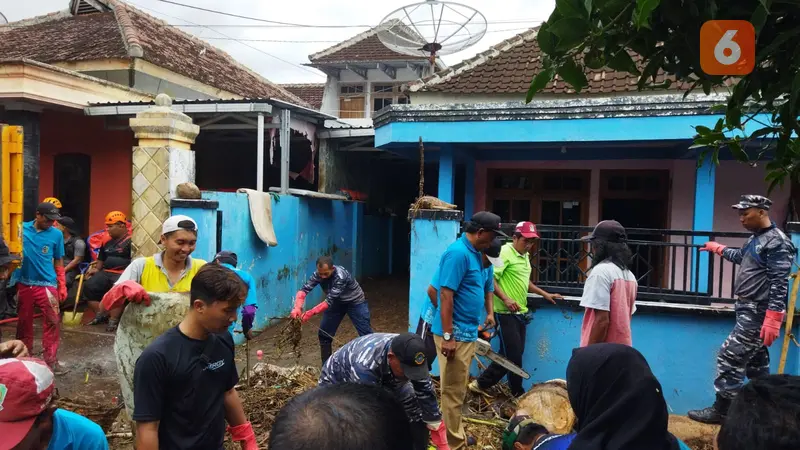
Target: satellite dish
{"x": 432, "y": 28}
{"x": 3, "y": 19}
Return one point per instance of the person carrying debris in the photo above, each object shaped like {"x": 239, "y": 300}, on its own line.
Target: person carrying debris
{"x": 761, "y": 288}
{"x": 396, "y": 362}
{"x": 74, "y": 249}
{"x": 42, "y": 282}
{"x": 28, "y": 418}
{"x": 609, "y": 294}
{"x": 184, "y": 380}
{"x": 464, "y": 295}
{"x": 247, "y": 311}
{"x": 512, "y": 284}
{"x": 169, "y": 271}
{"x": 113, "y": 258}
{"x": 343, "y": 296}
{"x": 491, "y": 258}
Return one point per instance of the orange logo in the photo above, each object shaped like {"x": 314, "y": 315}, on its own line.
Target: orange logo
{"x": 727, "y": 47}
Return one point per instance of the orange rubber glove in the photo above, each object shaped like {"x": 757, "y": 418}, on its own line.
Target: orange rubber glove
{"x": 245, "y": 435}
{"x": 771, "y": 327}
{"x": 314, "y": 311}
{"x": 439, "y": 435}
{"x": 299, "y": 301}
{"x": 713, "y": 247}
{"x": 127, "y": 290}
{"x": 61, "y": 280}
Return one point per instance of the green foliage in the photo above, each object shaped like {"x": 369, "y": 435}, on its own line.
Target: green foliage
{"x": 666, "y": 34}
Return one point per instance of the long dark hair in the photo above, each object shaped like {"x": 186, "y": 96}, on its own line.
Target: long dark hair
{"x": 617, "y": 252}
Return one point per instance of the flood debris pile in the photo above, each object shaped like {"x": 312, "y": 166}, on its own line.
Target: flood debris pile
{"x": 290, "y": 336}
{"x": 102, "y": 414}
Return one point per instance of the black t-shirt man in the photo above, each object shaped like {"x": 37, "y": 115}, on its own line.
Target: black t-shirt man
{"x": 116, "y": 254}
{"x": 181, "y": 382}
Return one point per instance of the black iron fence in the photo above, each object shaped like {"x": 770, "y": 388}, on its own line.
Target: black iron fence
{"x": 665, "y": 262}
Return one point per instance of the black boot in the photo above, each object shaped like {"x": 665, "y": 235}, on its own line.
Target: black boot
{"x": 325, "y": 351}
{"x": 714, "y": 414}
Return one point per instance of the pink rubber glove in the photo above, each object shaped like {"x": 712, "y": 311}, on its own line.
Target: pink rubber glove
{"x": 439, "y": 435}
{"x": 771, "y": 327}
{"x": 713, "y": 247}
{"x": 245, "y": 435}
{"x": 299, "y": 301}
{"x": 127, "y": 290}
{"x": 62, "y": 283}
{"x": 314, "y": 311}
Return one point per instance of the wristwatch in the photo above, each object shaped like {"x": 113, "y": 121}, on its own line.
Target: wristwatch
{"x": 447, "y": 336}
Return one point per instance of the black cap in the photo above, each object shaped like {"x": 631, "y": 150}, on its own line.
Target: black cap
{"x": 227, "y": 257}
{"x": 68, "y": 223}
{"x": 488, "y": 221}
{"x": 493, "y": 253}
{"x": 48, "y": 210}
{"x": 410, "y": 350}
{"x": 5, "y": 253}
{"x": 753, "y": 201}
{"x": 608, "y": 231}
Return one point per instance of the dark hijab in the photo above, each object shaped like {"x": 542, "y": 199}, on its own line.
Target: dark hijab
{"x": 617, "y": 400}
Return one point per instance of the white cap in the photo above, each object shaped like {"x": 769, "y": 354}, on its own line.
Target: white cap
{"x": 496, "y": 261}
{"x": 171, "y": 224}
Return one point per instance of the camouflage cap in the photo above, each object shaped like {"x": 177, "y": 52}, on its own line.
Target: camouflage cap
{"x": 753, "y": 201}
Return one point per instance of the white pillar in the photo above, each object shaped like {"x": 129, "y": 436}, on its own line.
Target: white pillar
{"x": 260, "y": 158}
{"x": 285, "y": 138}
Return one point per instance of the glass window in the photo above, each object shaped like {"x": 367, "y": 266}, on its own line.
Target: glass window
{"x": 512, "y": 182}
{"x": 502, "y": 208}
{"x": 521, "y": 211}
{"x": 352, "y": 89}
{"x": 380, "y": 103}
{"x": 382, "y": 88}
{"x": 402, "y": 100}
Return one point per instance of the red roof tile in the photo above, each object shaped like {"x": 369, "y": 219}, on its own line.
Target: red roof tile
{"x": 310, "y": 92}
{"x": 362, "y": 47}
{"x": 125, "y": 33}
{"x": 509, "y": 67}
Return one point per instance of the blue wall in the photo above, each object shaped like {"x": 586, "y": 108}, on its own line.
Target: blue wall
{"x": 376, "y": 246}
{"x": 306, "y": 228}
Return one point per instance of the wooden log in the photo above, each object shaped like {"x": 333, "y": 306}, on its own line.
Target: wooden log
{"x": 548, "y": 404}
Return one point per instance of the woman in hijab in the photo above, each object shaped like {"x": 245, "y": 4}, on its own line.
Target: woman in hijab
{"x": 617, "y": 400}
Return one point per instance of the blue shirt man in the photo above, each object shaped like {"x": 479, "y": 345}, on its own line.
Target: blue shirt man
{"x": 465, "y": 299}
{"x": 247, "y": 311}
{"x": 40, "y": 248}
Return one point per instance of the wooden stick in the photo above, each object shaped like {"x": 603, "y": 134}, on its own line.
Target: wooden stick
{"x": 421, "y": 168}
{"x": 790, "y": 310}
{"x": 484, "y": 422}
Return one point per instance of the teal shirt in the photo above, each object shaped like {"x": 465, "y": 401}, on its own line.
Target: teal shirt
{"x": 252, "y": 297}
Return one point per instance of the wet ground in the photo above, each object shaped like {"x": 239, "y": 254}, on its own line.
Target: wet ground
{"x": 88, "y": 352}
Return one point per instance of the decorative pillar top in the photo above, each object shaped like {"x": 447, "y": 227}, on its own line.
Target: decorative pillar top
{"x": 162, "y": 126}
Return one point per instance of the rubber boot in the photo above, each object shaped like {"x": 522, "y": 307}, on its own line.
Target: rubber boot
{"x": 714, "y": 414}
{"x": 325, "y": 351}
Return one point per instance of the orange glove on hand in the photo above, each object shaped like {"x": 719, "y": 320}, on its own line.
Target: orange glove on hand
{"x": 127, "y": 290}
{"x": 771, "y": 327}
{"x": 713, "y": 247}
{"x": 299, "y": 301}
{"x": 61, "y": 280}
{"x": 314, "y": 311}
{"x": 439, "y": 435}
{"x": 245, "y": 435}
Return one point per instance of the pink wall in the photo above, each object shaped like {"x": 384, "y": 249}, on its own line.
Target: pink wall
{"x": 732, "y": 180}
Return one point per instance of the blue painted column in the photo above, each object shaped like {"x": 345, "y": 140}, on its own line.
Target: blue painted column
{"x": 469, "y": 185}
{"x": 358, "y": 227}
{"x": 204, "y": 212}
{"x": 447, "y": 174}
{"x": 705, "y": 181}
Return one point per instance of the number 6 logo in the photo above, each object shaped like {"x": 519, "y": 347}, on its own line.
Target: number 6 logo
{"x": 727, "y": 47}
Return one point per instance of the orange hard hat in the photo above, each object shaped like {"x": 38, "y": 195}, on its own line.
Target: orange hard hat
{"x": 115, "y": 216}
{"x": 54, "y": 201}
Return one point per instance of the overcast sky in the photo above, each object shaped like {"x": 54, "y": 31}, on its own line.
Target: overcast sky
{"x": 506, "y": 18}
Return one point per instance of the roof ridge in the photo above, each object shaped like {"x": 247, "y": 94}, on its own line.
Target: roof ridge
{"x": 35, "y": 20}
{"x": 230, "y": 59}
{"x": 344, "y": 44}
{"x": 475, "y": 61}
{"x": 302, "y": 84}
{"x": 129, "y": 34}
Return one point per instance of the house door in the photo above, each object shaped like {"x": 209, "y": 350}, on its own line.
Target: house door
{"x": 639, "y": 199}
{"x": 72, "y": 185}
{"x": 351, "y": 108}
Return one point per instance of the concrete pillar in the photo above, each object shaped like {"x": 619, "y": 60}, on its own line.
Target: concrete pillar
{"x": 162, "y": 159}
{"x": 705, "y": 182}
{"x": 447, "y": 174}
{"x": 358, "y": 229}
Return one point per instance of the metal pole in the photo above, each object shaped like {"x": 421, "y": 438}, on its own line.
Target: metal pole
{"x": 260, "y": 160}
{"x": 285, "y": 138}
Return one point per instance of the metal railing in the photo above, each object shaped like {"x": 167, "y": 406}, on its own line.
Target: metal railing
{"x": 667, "y": 264}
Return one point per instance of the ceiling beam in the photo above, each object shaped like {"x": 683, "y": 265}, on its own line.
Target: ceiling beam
{"x": 358, "y": 70}
{"x": 390, "y": 71}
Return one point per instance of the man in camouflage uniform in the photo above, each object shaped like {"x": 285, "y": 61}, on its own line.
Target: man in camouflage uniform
{"x": 396, "y": 362}
{"x": 761, "y": 288}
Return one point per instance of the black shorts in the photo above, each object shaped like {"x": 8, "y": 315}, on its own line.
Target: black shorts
{"x": 96, "y": 287}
